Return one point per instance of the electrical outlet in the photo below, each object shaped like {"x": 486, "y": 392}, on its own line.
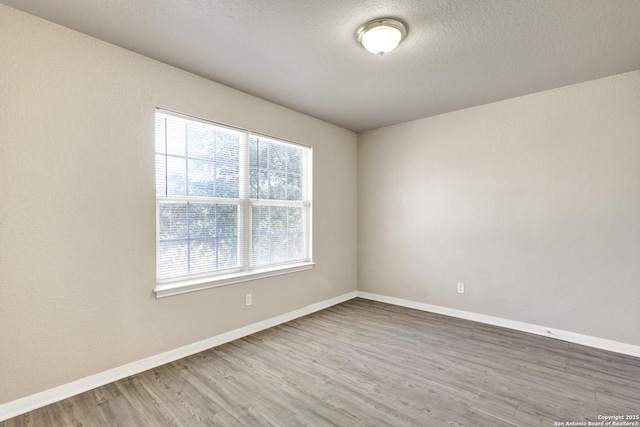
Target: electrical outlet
{"x": 247, "y": 299}
{"x": 461, "y": 288}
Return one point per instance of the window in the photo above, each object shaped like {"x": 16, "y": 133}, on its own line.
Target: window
{"x": 231, "y": 205}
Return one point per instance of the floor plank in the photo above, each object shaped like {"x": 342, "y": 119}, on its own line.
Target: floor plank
{"x": 364, "y": 363}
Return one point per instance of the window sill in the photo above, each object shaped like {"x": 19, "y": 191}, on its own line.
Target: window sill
{"x": 187, "y": 286}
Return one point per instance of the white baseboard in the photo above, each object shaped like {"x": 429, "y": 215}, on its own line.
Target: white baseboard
{"x": 601, "y": 343}
{"x": 38, "y": 400}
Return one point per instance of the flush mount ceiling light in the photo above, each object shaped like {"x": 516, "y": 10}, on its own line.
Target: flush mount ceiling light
{"x": 381, "y": 35}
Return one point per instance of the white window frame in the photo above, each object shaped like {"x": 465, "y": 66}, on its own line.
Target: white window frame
{"x": 245, "y": 272}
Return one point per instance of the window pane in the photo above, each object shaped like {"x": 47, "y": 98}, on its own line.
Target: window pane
{"x": 279, "y": 249}
{"x": 227, "y": 221}
{"x": 260, "y": 250}
{"x": 173, "y": 221}
{"x": 161, "y": 126}
{"x": 260, "y": 220}
{"x": 161, "y": 173}
{"x": 294, "y": 216}
{"x": 296, "y": 246}
{"x": 201, "y": 178}
{"x": 201, "y": 141}
{"x": 253, "y": 183}
{"x": 278, "y": 234}
{"x": 275, "y": 170}
{"x": 172, "y": 258}
{"x": 262, "y": 152}
{"x": 220, "y": 222}
{"x": 294, "y": 164}
{"x": 294, "y": 187}
{"x": 253, "y": 152}
{"x": 278, "y": 220}
{"x": 175, "y": 136}
{"x": 227, "y": 147}
{"x": 227, "y": 253}
{"x": 176, "y": 176}
{"x": 277, "y": 186}
{"x": 261, "y": 223}
{"x": 277, "y": 157}
{"x": 201, "y": 160}
{"x": 263, "y": 184}
{"x": 197, "y": 237}
{"x": 228, "y": 181}
{"x": 202, "y": 255}
{"x": 202, "y": 220}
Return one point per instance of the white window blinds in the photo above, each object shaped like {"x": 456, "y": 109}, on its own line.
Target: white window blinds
{"x": 228, "y": 201}
{"x": 279, "y": 201}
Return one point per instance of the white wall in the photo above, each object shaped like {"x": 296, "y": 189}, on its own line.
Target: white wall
{"x": 77, "y": 209}
{"x": 533, "y": 203}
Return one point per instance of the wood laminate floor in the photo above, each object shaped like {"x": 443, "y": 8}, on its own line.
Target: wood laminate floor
{"x": 363, "y": 363}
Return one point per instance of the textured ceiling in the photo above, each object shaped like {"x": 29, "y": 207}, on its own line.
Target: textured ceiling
{"x": 303, "y": 54}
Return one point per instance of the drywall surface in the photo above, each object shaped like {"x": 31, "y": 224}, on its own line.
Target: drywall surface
{"x": 77, "y": 216}
{"x": 533, "y": 203}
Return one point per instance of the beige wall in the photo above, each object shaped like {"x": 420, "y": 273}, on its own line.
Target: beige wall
{"x": 533, "y": 203}
{"x": 77, "y": 209}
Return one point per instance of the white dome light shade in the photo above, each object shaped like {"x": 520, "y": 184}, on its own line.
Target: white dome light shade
{"x": 381, "y": 35}
{"x": 381, "y": 39}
